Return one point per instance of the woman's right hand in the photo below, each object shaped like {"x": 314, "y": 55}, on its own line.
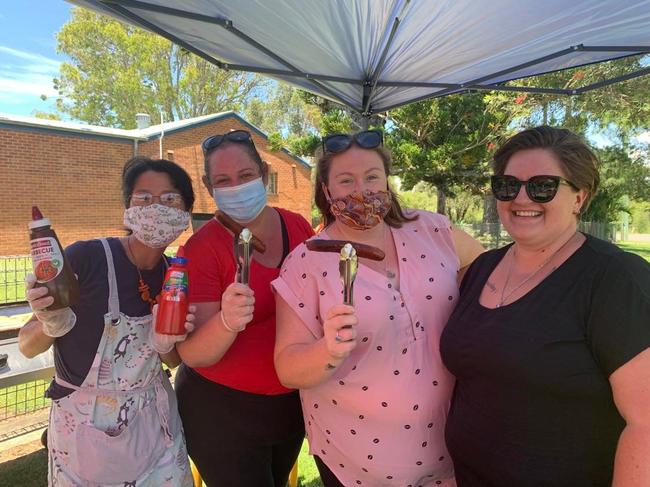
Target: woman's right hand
{"x": 55, "y": 323}
{"x": 237, "y": 306}
{"x": 340, "y": 331}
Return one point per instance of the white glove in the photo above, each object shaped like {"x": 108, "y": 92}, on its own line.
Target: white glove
{"x": 55, "y": 323}
{"x": 165, "y": 343}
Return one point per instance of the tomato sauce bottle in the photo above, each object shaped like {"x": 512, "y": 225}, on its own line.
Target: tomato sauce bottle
{"x": 173, "y": 301}
{"x": 51, "y": 268}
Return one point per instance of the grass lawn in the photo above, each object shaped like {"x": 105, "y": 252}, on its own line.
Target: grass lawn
{"x": 22, "y": 398}
{"x": 31, "y": 470}
{"x": 639, "y": 248}
{"x": 26, "y": 470}
{"x": 12, "y": 278}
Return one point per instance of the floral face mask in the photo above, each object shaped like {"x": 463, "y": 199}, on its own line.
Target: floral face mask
{"x": 361, "y": 211}
{"x": 156, "y": 225}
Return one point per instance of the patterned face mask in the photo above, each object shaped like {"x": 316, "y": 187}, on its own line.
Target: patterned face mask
{"x": 361, "y": 211}
{"x": 156, "y": 225}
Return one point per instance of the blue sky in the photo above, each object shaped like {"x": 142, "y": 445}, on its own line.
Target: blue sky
{"x": 28, "y": 58}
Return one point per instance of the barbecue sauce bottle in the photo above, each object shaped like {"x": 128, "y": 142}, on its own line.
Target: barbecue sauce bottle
{"x": 51, "y": 268}
{"x": 173, "y": 301}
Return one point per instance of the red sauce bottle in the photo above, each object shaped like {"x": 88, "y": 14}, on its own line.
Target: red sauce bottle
{"x": 51, "y": 268}
{"x": 173, "y": 301}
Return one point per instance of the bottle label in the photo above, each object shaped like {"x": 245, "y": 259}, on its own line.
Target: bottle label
{"x": 47, "y": 259}
{"x": 175, "y": 287}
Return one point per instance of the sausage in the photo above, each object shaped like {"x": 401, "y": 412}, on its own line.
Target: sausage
{"x": 236, "y": 229}
{"x": 363, "y": 250}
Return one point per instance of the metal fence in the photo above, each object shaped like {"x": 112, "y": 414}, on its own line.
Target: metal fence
{"x": 12, "y": 278}
{"x": 493, "y": 235}
{"x": 23, "y": 399}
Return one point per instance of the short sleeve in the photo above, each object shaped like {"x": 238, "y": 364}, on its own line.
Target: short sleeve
{"x": 205, "y": 269}
{"x": 80, "y": 255}
{"x": 298, "y": 286}
{"x": 619, "y": 321}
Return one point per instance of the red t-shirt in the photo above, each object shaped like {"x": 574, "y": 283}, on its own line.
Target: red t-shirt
{"x": 248, "y": 363}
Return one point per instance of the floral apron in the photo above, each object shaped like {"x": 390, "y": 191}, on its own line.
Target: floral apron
{"x": 121, "y": 426}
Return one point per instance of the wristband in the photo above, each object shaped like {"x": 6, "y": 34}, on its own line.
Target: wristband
{"x": 227, "y": 326}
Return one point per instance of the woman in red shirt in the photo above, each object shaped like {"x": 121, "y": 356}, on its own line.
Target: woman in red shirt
{"x": 243, "y": 428}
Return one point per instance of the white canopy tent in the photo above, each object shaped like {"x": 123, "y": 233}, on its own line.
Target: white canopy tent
{"x": 374, "y": 55}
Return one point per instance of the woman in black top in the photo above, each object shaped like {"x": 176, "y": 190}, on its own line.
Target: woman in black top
{"x": 550, "y": 341}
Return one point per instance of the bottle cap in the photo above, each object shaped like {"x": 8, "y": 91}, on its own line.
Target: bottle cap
{"x": 37, "y": 219}
{"x": 180, "y": 257}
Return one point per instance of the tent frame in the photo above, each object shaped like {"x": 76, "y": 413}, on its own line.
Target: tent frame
{"x": 371, "y": 81}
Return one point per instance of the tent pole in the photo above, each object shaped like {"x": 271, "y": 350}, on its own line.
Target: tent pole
{"x": 365, "y": 122}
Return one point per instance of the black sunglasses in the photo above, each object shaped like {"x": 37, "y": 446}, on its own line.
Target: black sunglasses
{"x": 368, "y": 139}
{"x": 214, "y": 141}
{"x": 540, "y": 189}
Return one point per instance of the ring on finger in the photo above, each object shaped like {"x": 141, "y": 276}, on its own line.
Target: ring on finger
{"x": 338, "y": 337}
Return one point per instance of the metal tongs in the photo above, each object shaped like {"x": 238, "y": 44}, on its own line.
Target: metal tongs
{"x": 348, "y": 266}
{"x": 242, "y": 251}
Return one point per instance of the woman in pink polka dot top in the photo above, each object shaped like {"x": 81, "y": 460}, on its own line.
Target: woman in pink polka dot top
{"x": 374, "y": 391}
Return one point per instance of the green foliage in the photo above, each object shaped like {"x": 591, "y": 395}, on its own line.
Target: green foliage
{"x": 275, "y": 141}
{"x": 620, "y": 109}
{"x": 445, "y": 142}
{"x": 336, "y": 121}
{"x": 118, "y": 70}
{"x": 464, "y": 207}
{"x": 45, "y": 115}
{"x": 640, "y": 212}
{"x": 282, "y": 110}
{"x": 303, "y": 146}
{"x": 620, "y": 174}
{"x": 422, "y": 197}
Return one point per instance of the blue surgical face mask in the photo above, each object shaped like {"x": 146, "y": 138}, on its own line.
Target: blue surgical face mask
{"x": 242, "y": 203}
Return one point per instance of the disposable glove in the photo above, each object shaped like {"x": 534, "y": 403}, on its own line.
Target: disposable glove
{"x": 165, "y": 343}
{"x": 55, "y": 323}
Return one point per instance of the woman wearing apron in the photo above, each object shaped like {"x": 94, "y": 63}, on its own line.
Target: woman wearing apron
{"x": 114, "y": 419}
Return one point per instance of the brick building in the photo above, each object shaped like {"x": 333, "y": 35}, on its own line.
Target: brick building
{"x": 72, "y": 172}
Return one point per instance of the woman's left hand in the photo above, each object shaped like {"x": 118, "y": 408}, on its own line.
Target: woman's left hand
{"x": 165, "y": 343}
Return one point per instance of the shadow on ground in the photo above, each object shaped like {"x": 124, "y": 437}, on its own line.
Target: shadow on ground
{"x": 27, "y": 471}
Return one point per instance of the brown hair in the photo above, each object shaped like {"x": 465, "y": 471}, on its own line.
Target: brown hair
{"x": 395, "y": 217}
{"x": 576, "y": 158}
{"x": 247, "y": 146}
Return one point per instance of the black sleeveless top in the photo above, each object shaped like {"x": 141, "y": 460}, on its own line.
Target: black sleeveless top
{"x": 533, "y": 405}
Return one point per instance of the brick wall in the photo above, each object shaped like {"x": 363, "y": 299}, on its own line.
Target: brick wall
{"x": 75, "y": 179}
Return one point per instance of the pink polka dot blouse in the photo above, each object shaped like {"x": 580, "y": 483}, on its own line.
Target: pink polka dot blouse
{"x": 380, "y": 419}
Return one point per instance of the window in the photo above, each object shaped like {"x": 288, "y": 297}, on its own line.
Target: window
{"x": 272, "y": 188}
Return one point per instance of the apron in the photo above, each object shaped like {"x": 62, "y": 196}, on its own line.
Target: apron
{"x": 121, "y": 426}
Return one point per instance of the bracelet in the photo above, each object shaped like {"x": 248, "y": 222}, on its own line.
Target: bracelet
{"x": 228, "y": 327}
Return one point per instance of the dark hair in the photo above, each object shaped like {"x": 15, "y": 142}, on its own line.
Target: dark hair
{"x": 248, "y": 147}
{"x": 138, "y": 165}
{"x": 578, "y": 161}
{"x": 395, "y": 217}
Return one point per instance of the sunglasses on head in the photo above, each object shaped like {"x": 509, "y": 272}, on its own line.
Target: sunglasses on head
{"x": 368, "y": 139}
{"x": 214, "y": 141}
{"x": 540, "y": 189}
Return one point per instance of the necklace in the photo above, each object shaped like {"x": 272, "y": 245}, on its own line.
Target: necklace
{"x": 143, "y": 287}
{"x": 504, "y": 297}
{"x": 387, "y": 249}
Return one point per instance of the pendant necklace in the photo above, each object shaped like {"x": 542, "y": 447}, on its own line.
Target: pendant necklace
{"x": 143, "y": 287}
{"x": 387, "y": 243}
{"x": 504, "y": 297}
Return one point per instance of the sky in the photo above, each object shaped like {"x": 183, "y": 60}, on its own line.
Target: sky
{"x": 28, "y": 58}
{"x": 29, "y": 61}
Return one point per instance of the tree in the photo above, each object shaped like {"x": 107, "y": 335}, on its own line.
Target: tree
{"x": 622, "y": 172}
{"x": 445, "y": 142}
{"x": 117, "y": 70}
{"x": 620, "y": 109}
